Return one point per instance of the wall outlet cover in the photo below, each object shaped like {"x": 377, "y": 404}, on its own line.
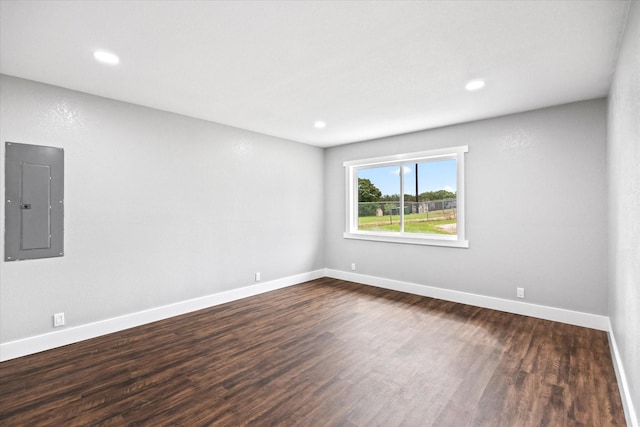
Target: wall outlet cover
{"x": 58, "y": 320}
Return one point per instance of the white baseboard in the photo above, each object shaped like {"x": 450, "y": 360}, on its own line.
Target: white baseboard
{"x": 577, "y": 318}
{"x": 623, "y": 385}
{"x": 31, "y": 345}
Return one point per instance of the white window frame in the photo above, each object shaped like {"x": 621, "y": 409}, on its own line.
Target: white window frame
{"x": 351, "y": 179}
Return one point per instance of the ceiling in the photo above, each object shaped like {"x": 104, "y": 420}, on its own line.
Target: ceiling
{"x": 369, "y": 69}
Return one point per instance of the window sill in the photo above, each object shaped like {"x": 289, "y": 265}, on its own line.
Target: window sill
{"x": 435, "y": 240}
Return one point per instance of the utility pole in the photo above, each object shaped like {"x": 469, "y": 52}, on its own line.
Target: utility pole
{"x": 417, "y": 188}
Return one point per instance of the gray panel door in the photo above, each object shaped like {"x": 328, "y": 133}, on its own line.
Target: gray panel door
{"x": 34, "y": 202}
{"x": 35, "y": 206}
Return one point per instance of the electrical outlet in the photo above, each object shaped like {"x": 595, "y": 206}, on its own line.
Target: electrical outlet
{"x": 58, "y": 320}
{"x": 257, "y": 276}
{"x": 520, "y": 292}
{"x": 353, "y": 266}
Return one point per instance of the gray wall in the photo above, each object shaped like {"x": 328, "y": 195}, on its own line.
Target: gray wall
{"x": 160, "y": 208}
{"x": 536, "y": 210}
{"x": 624, "y": 208}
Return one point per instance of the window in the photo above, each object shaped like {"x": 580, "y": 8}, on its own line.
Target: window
{"x": 431, "y": 210}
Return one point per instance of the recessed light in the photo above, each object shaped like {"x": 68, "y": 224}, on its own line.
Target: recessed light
{"x": 106, "y": 57}
{"x": 319, "y": 124}
{"x": 474, "y": 85}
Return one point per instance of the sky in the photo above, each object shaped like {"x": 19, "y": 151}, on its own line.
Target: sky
{"x": 432, "y": 176}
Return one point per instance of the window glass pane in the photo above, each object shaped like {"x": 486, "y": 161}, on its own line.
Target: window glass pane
{"x": 430, "y": 197}
{"x": 379, "y": 199}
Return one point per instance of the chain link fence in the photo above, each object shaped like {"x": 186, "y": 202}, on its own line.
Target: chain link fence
{"x": 431, "y": 209}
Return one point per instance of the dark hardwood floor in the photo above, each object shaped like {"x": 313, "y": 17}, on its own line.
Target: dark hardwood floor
{"x": 326, "y": 352}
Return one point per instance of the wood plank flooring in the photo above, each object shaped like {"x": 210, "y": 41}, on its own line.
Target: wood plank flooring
{"x": 323, "y": 353}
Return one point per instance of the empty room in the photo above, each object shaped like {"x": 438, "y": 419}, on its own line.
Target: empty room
{"x": 320, "y": 213}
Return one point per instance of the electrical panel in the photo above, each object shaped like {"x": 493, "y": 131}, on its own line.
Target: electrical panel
{"x": 34, "y": 202}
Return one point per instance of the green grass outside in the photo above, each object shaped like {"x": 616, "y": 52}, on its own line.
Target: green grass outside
{"x": 413, "y": 223}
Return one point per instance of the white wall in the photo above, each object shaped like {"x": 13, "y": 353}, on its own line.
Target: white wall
{"x": 536, "y": 210}
{"x": 623, "y": 152}
{"x": 159, "y": 208}
{"x": 162, "y": 208}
